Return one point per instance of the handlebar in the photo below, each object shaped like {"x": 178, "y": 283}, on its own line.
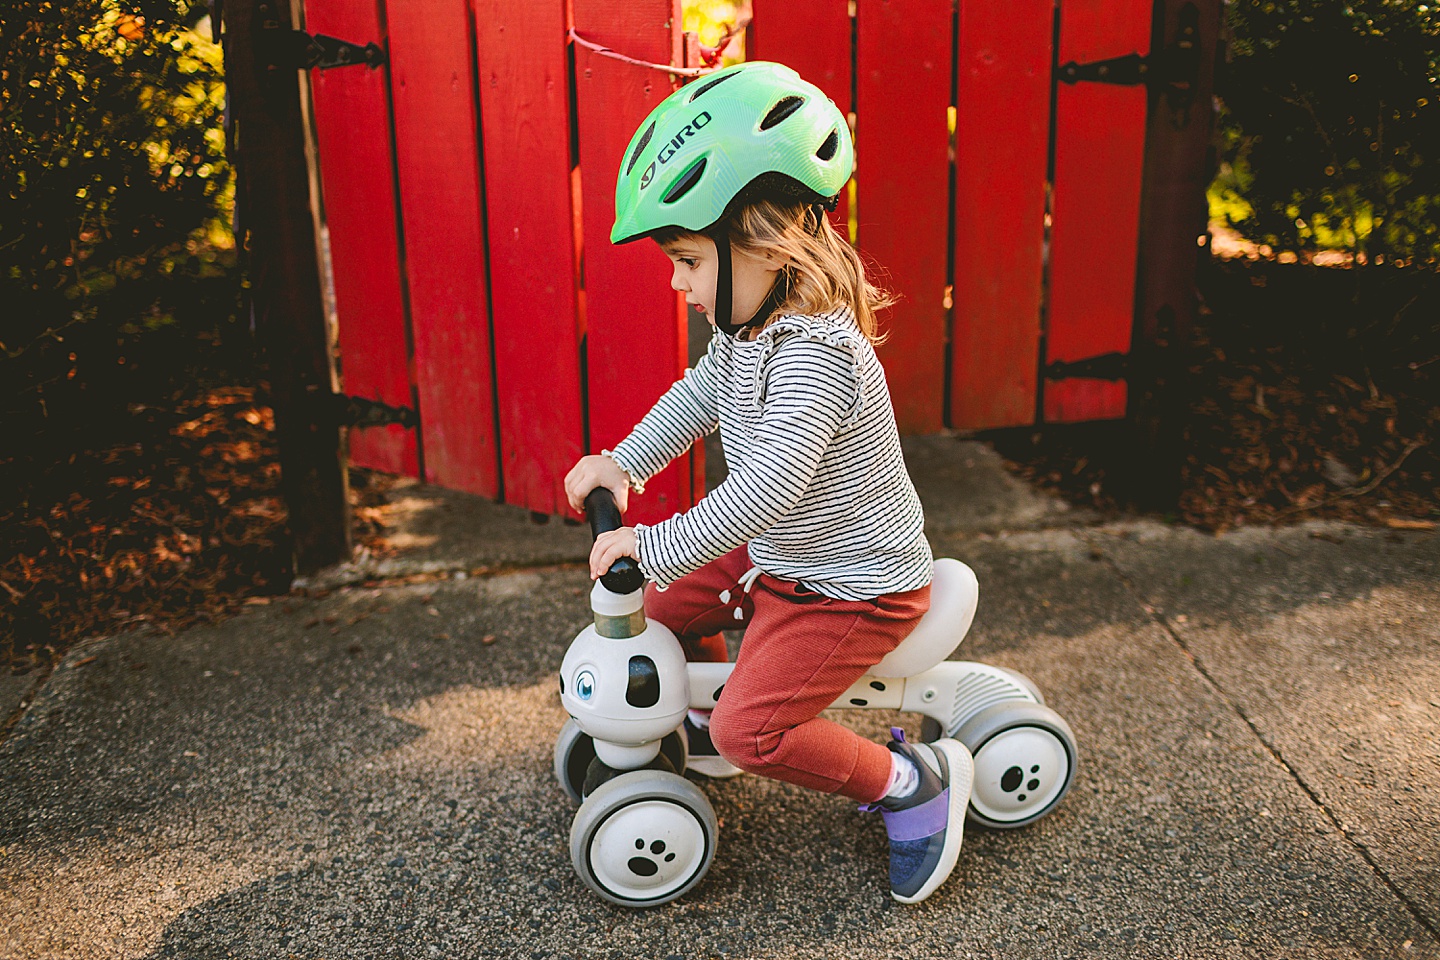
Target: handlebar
{"x": 624, "y": 575}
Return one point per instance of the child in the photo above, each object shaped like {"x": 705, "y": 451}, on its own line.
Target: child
{"x": 815, "y": 540}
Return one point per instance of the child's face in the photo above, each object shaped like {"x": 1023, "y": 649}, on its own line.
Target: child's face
{"x": 696, "y": 266}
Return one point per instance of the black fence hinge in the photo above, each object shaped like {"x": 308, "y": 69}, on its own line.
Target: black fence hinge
{"x": 1123, "y": 71}
{"x": 303, "y": 51}
{"x": 360, "y": 412}
{"x": 297, "y": 49}
{"x": 1108, "y": 366}
{"x": 1175, "y": 69}
{"x": 341, "y": 409}
{"x": 322, "y": 52}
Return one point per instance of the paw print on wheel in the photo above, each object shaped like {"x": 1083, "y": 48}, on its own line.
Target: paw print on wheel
{"x": 643, "y": 866}
{"x": 1014, "y": 779}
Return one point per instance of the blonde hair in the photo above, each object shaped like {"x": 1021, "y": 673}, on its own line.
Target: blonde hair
{"x": 823, "y": 270}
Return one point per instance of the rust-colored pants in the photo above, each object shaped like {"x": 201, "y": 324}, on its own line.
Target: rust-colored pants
{"x": 801, "y": 651}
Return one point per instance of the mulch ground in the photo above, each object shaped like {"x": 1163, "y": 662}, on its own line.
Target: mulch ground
{"x": 1306, "y": 392}
{"x": 180, "y": 522}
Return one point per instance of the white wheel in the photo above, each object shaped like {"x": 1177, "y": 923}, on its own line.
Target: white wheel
{"x": 575, "y": 749}
{"x": 1025, "y": 757}
{"x": 644, "y": 838}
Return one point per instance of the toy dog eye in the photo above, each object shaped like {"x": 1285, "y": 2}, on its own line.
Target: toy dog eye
{"x": 585, "y": 685}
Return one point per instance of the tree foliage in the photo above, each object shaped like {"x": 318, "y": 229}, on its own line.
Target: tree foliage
{"x": 111, "y": 169}
{"x": 1331, "y": 127}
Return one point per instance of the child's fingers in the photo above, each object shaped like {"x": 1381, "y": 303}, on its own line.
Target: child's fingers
{"x": 609, "y": 553}
{"x": 578, "y": 484}
{"x": 600, "y": 557}
{"x": 591, "y": 472}
{"x": 608, "y": 548}
{"x": 597, "y": 555}
{"x": 573, "y": 481}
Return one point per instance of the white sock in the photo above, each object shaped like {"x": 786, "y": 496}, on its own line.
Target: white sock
{"x": 904, "y": 777}
{"x": 699, "y": 719}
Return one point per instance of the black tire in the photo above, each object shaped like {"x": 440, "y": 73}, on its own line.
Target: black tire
{"x": 575, "y": 751}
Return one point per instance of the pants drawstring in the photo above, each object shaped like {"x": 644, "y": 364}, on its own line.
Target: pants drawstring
{"x": 747, "y": 580}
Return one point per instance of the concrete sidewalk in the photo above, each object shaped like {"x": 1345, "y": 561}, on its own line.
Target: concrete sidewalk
{"x": 365, "y": 772}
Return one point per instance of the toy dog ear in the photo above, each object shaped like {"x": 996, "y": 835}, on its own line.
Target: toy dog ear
{"x": 643, "y": 689}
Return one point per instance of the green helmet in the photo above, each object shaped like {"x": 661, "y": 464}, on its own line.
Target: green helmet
{"x": 754, "y": 129}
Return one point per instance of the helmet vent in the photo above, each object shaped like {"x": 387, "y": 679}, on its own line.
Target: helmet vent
{"x": 685, "y": 182}
{"x": 711, "y": 83}
{"x": 640, "y": 147}
{"x": 827, "y": 149}
{"x": 781, "y": 110}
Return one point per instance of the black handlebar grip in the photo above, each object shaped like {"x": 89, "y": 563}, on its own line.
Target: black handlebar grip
{"x": 624, "y": 575}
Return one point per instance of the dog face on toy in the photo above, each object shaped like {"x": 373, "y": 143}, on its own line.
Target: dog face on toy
{"x": 629, "y": 691}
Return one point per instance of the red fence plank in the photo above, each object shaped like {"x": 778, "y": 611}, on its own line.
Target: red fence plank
{"x": 904, "y": 45}
{"x": 1099, "y": 156}
{"x": 1001, "y": 150}
{"x": 352, "y": 121}
{"x": 636, "y": 340}
{"x": 814, "y": 38}
{"x": 433, "y": 86}
{"x": 525, "y": 118}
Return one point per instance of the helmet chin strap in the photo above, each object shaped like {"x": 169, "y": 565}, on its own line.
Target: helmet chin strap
{"x": 725, "y": 285}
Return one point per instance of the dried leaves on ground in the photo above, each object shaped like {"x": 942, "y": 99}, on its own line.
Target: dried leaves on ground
{"x": 175, "y": 524}
{"x": 181, "y": 521}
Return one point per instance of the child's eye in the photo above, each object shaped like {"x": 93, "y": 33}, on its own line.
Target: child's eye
{"x": 689, "y": 262}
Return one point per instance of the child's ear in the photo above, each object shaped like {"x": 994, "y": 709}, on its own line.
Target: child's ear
{"x": 767, "y": 259}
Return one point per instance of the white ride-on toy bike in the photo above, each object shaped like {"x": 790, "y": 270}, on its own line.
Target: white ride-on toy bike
{"x": 644, "y": 834}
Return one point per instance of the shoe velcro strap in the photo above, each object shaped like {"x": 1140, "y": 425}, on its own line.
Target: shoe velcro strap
{"x": 920, "y": 821}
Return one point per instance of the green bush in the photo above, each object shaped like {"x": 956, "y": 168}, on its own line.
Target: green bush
{"x": 112, "y": 179}
{"x": 1330, "y": 133}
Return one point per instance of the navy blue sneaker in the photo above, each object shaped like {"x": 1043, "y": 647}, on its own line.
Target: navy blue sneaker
{"x": 926, "y": 828}
{"x": 703, "y": 758}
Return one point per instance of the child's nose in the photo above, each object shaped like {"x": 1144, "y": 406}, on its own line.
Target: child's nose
{"x": 677, "y": 282}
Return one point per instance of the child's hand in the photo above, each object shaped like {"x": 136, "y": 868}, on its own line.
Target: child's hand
{"x": 596, "y": 471}
{"x": 610, "y": 547}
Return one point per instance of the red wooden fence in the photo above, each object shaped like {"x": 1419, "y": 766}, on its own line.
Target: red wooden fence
{"x": 457, "y": 218}
{"x": 1041, "y": 167}
{"x": 902, "y": 95}
{"x": 469, "y": 184}
{"x": 1098, "y": 151}
{"x": 353, "y": 138}
{"x": 1002, "y": 123}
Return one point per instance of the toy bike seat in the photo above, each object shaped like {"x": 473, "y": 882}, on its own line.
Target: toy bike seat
{"x": 954, "y": 594}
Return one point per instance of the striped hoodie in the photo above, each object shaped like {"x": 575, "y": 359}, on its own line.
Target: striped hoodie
{"x": 817, "y": 484}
